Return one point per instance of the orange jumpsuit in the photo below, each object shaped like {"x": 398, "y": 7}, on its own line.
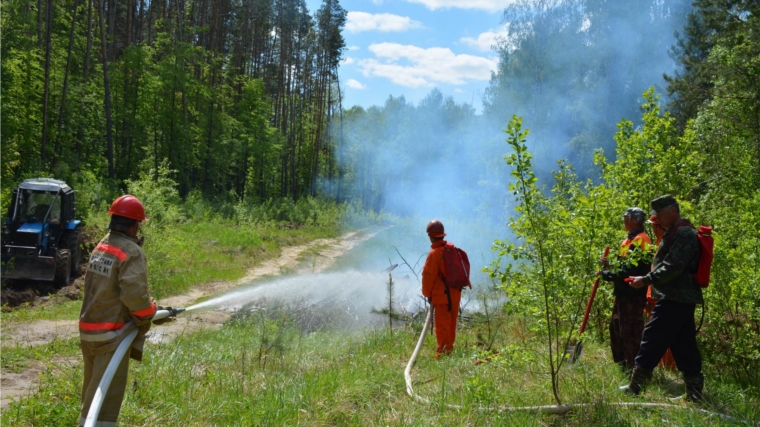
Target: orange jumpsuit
{"x": 436, "y": 291}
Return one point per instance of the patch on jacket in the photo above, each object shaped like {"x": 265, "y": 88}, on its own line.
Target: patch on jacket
{"x": 101, "y": 264}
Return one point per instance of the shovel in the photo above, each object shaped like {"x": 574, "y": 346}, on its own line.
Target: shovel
{"x": 574, "y": 351}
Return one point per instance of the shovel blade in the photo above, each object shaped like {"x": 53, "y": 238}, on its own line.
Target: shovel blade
{"x": 574, "y": 351}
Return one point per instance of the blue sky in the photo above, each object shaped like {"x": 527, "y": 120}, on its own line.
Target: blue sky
{"x": 409, "y": 47}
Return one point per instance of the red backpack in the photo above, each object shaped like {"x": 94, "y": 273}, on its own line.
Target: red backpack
{"x": 704, "y": 235}
{"x": 457, "y": 267}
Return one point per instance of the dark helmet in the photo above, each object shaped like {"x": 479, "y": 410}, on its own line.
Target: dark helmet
{"x": 636, "y": 214}
{"x": 435, "y": 229}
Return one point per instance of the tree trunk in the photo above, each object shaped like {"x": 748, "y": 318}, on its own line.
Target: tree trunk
{"x": 86, "y": 71}
{"x": 107, "y": 89}
{"x": 46, "y": 94}
{"x": 39, "y": 23}
{"x": 66, "y": 78}
{"x": 112, "y": 29}
{"x": 339, "y": 148}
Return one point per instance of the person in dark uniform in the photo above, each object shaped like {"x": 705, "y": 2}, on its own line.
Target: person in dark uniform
{"x": 627, "y": 322}
{"x": 677, "y": 293}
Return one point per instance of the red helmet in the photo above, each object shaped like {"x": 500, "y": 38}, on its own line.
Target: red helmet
{"x": 128, "y": 206}
{"x": 435, "y": 229}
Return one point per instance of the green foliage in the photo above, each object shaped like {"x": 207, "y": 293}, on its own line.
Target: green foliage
{"x": 712, "y": 168}
{"x": 158, "y": 192}
{"x": 245, "y": 118}
{"x": 554, "y": 250}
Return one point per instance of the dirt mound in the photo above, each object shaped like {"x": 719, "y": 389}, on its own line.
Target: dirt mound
{"x": 15, "y": 293}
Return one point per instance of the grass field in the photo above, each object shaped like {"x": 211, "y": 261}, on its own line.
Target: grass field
{"x": 259, "y": 369}
{"x": 266, "y": 366}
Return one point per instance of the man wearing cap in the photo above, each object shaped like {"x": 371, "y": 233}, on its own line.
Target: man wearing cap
{"x": 627, "y": 322}
{"x": 444, "y": 299}
{"x": 667, "y": 360}
{"x": 677, "y": 293}
{"x": 115, "y": 303}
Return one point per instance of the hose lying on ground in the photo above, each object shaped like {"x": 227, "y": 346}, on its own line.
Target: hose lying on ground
{"x": 543, "y": 409}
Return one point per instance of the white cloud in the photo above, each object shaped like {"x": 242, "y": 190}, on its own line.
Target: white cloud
{"x": 353, "y": 47}
{"x": 489, "y": 5}
{"x": 486, "y": 40}
{"x": 412, "y": 66}
{"x": 457, "y": 90}
{"x": 385, "y": 22}
{"x": 347, "y": 60}
{"x": 354, "y": 84}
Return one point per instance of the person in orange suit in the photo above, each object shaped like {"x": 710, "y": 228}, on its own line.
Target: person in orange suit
{"x": 445, "y": 300}
{"x": 667, "y": 360}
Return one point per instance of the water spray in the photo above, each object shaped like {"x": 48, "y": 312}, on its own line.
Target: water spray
{"x": 118, "y": 356}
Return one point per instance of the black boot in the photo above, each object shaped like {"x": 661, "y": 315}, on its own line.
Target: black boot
{"x": 638, "y": 378}
{"x": 694, "y": 383}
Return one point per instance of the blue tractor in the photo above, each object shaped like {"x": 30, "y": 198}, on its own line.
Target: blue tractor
{"x": 41, "y": 239}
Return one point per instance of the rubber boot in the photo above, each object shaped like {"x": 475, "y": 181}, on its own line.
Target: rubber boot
{"x": 694, "y": 383}
{"x": 638, "y": 378}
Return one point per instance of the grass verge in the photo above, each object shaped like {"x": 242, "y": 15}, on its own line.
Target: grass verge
{"x": 261, "y": 369}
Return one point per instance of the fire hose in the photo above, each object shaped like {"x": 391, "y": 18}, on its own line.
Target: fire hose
{"x": 544, "y": 409}
{"x": 119, "y": 354}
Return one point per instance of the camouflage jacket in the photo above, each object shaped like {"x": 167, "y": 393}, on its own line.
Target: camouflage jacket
{"x": 672, "y": 275}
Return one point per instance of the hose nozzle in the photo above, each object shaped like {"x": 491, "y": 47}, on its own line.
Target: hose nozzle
{"x": 176, "y": 311}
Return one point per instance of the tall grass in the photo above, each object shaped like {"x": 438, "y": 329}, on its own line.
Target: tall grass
{"x": 261, "y": 369}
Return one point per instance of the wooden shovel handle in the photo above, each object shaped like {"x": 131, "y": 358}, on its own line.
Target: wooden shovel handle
{"x": 591, "y": 298}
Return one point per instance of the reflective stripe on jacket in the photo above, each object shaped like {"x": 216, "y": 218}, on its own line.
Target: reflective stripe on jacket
{"x": 115, "y": 293}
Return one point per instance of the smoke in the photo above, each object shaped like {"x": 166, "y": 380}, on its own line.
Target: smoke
{"x": 571, "y": 69}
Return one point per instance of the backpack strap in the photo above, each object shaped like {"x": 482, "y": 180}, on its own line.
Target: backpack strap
{"x": 446, "y": 291}
{"x": 672, "y": 232}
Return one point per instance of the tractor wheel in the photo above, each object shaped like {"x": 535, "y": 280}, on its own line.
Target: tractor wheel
{"x": 62, "y": 267}
{"x": 72, "y": 240}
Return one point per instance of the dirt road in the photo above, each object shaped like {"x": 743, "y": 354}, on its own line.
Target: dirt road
{"x": 313, "y": 257}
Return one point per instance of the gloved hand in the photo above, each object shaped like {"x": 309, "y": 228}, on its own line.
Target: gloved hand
{"x": 165, "y": 319}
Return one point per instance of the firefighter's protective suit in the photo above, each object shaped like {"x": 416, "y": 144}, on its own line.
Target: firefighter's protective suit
{"x": 115, "y": 293}
{"x": 445, "y": 300}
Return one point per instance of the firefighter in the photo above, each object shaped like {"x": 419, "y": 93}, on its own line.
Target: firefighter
{"x": 116, "y": 301}
{"x": 667, "y": 360}
{"x": 445, "y": 300}
{"x": 677, "y": 293}
{"x": 627, "y": 322}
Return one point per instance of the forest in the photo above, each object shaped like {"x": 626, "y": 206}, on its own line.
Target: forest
{"x": 238, "y": 104}
{"x": 236, "y": 96}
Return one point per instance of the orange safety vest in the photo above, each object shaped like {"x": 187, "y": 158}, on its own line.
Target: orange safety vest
{"x": 640, "y": 239}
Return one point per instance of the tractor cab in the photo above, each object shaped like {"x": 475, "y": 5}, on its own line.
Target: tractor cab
{"x": 40, "y": 236}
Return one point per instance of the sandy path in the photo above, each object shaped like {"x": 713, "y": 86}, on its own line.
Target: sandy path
{"x": 322, "y": 253}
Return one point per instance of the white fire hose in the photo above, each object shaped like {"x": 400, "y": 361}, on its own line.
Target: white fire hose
{"x": 118, "y": 356}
